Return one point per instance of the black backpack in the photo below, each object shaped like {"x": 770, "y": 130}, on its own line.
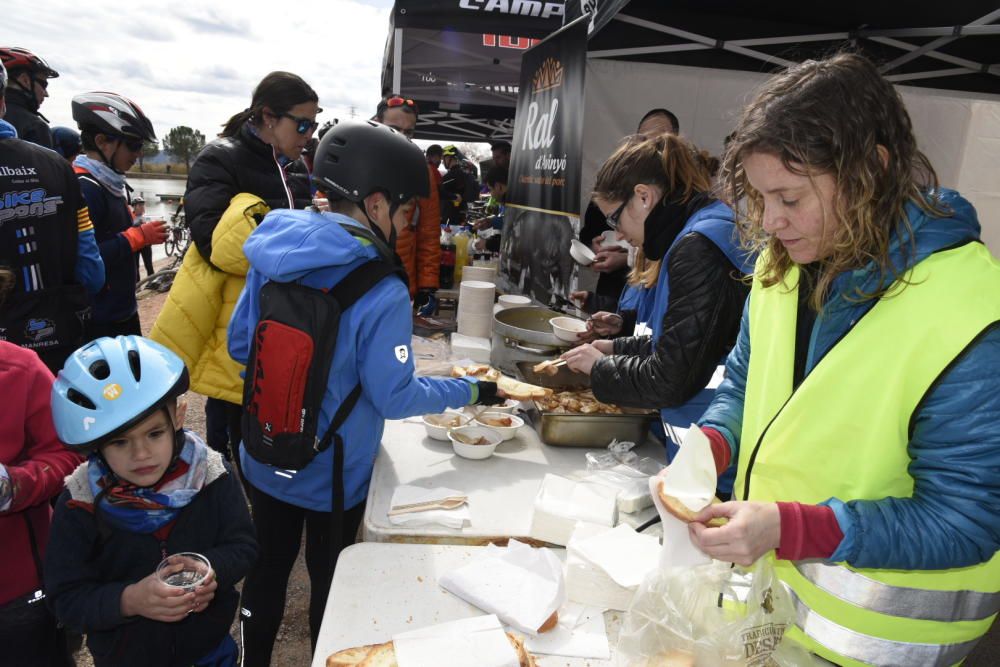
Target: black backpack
{"x": 289, "y": 366}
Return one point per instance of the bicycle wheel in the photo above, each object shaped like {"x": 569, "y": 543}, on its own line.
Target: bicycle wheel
{"x": 170, "y": 245}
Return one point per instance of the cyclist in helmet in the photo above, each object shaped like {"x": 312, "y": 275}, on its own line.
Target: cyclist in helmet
{"x": 148, "y": 489}
{"x": 47, "y": 240}
{"x": 453, "y": 187}
{"x": 113, "y": 130}
{"x": 372, "y": 176}
{"x": 66, "y": 142}
{"x": 28, "y": 88}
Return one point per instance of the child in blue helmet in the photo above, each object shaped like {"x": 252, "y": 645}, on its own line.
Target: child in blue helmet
{"x": 148, "y": 490}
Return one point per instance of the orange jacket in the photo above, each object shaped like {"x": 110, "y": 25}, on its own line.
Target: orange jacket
{"x": 419, "y": 245}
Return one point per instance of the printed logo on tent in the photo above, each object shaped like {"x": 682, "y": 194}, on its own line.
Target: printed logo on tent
{"x": 402, "y": 353}
{"x": 547, "y": 77}
{"x": 39, "y": 329}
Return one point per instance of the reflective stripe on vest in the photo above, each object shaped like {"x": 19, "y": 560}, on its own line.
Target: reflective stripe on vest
{"x": 844, "y": 433}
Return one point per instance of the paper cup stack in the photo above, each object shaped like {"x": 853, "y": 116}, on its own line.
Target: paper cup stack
{"x": 475, "y": 308}
{"x": 486, "y": 274}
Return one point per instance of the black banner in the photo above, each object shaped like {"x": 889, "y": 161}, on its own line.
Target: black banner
{"x": 543, "y": 199}
{"x": 529, "y": 18}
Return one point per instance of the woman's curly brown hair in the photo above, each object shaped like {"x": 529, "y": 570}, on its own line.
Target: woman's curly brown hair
{"x": 667, "y": 161}
{"x": 830, "y": 117}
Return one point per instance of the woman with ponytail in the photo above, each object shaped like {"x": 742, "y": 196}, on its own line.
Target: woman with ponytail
{"x": 655, "y": 194}
{"x": 252, "y": 167}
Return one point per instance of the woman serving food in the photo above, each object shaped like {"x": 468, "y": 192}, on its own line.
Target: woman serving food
{"x": 861, "y": 398}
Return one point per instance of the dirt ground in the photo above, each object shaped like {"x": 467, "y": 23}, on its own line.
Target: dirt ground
{"x": 292, "y": 646}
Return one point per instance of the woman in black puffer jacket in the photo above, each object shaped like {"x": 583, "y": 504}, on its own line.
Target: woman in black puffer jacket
{"x": 655, "y": 194}
{"x": 258, "y": 152}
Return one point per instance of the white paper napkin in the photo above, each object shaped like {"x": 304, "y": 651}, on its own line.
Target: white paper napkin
{"x": 479, "y": 641}
{"x": 561, "y": 503}
{"x": 691, "y": 479}
{"x": 625, "y": 555}
{"x": 581, "y": 633}
{"x": 406, "y": 495}
{"x": 521, "y": 585}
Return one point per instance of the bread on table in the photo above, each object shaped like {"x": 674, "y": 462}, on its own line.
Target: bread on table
{"x": 384, "y": 655}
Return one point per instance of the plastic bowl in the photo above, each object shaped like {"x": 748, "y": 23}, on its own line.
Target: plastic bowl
{"x": 439, "y": 432}
{"x": 507, "y": 407}
{"x": 579, "y": 251}
{"x": 506, "y": 432}
{"x": 475, "y": 451}
{"x": 567, "y": 328}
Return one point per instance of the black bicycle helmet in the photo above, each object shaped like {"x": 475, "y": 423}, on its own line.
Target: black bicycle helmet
{"x": 355, "y": 159}
{"x": 66, "y": 141}
{"x": 110, "y": 113}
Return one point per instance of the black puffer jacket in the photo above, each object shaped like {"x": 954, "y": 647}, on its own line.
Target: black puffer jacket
{"x": 699, "y": 327}
{"x": 22, "y": 113}
{"x": 229, "y": 166}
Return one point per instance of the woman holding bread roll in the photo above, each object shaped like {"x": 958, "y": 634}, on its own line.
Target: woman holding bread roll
{"x": 861, "y": 399}
{"x": 655, "y": 194}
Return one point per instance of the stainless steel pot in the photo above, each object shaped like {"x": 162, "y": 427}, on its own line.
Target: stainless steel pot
{"x": 523, "y": 334}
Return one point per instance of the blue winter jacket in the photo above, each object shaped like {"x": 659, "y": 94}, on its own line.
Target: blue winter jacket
{"x": 373, "y": 347}
{"x": 953, "y": 518}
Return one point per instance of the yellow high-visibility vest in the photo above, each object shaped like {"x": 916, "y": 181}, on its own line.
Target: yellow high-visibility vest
{"x": 844, "y": 433}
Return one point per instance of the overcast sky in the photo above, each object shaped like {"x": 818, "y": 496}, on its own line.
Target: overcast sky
{"x": 196, "y": 64}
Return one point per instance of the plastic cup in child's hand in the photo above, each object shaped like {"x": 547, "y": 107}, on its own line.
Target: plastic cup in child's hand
{"x": 186, "y": 570}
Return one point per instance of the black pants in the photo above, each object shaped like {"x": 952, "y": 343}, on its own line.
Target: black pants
{"x": 279, "y": 534}
{"x": 30, "y": 636}
{"x": 147, "y": 260}
{"x": 128, "y": 327}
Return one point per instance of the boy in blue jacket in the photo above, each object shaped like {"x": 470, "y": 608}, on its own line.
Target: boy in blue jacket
{"x": 372, "y": 176}
{"x": 148, "y": 490}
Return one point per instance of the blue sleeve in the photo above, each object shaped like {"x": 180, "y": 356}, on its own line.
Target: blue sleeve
{"x": 244, "y": 318}
{"x": 953, "y": 518}
{"x": 725, "y": 413}
{"x": 89, "y": 265}
{"x": 385, "y": 360}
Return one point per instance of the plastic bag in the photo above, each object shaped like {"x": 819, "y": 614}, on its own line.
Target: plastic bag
{"x": 710, "y": 615}
{"x": 621, "y": 460}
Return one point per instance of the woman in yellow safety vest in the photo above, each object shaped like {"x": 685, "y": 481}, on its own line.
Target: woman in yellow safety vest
{"x": 861, "y": 405}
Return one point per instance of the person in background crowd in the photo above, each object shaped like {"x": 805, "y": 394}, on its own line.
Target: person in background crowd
{"x": 253, "y": 167}
{"x": 66, "y": 142}
{"x": 32, "y": 465}
{"x": 372, "y": 175}
{"x": 860, "y": 402}
{"x": 612, "y": 263}
{"x": 453, "y": 187}
{"x": 52, "y": 252}
{"x": 138, "y": 213}
{"x": 113, "y": 130}
{"x": 500, "y": 151}
{"x": 149, "y": 491}
{"x": 418, "y": 244}
{"x": 435, "y": 154}
{"x": 656, "y": 194}
{"x": 28, "y": 86}
{"x": 496, "y": 179}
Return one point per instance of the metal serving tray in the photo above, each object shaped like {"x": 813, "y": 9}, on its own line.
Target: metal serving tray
{"x": 568, "y": 429}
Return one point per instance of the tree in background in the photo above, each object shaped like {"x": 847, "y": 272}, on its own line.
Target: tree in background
{"x": 184, "y": 142}
{"x": 148, "y": 150}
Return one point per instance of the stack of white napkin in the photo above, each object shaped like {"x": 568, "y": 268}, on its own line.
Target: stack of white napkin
{"x": 562, "y": 503}
{"x": 604, "y": 567}
{"x": 407, "y": 495}
{"x": 479, "y": 641}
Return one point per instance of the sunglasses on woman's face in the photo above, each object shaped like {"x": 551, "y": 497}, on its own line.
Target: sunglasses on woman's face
{"x": 614, "y": 219}
{"x": 303, "y": 125}
{"x": 134, "y": 145}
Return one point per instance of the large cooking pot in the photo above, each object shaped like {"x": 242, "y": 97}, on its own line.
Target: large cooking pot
{"x": 523, "y": 334}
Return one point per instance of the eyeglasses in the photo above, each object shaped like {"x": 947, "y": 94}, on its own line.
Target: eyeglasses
{"x": 614, "y": 219}
{"x": 303, "y": 125}
{"x": 134, "y": 145}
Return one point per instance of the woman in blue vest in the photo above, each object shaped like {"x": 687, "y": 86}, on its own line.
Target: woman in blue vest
{"x": 861, "y": 400}
{"x": 655, "y": 193}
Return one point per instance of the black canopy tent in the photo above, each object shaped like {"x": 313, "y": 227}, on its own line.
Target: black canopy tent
{"x": 460, "y": 61}
{"x": 926, "y": 43}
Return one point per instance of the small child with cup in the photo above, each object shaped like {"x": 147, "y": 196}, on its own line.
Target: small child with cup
{"x": 152, "y": 532}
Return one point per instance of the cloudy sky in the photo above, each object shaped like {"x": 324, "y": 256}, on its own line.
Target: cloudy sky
{"x": 196, "y": 63}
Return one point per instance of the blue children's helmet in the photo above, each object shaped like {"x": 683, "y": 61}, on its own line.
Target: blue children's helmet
{"x": 110, "y": 385}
